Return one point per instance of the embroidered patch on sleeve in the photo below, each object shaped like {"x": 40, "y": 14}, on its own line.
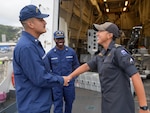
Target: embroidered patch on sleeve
{"x": 123, "y": 52}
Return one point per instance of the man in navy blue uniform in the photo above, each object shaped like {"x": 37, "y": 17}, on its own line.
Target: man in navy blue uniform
{"x": 115, "y": 66}
{"x": 63, "y": 60}
{"x": 33, "y": 81}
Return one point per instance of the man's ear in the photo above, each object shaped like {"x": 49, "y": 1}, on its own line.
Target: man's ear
{"x": 30, "y": 23}
{"x": 55, "y": 39}
{"x": 111, "y": 34}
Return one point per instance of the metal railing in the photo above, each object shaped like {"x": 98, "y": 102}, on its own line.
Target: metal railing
{"x": 6, "y": 70}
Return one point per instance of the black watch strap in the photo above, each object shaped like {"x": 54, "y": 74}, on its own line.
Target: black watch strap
{"x": 144, "y": 107}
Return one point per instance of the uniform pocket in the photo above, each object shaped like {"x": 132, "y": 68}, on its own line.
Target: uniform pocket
{"x": 69, "y": 58}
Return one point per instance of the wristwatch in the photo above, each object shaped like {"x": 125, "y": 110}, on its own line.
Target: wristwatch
{"x": 144, "y": 108}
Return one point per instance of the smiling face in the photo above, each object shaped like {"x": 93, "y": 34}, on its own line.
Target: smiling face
{"x": 59, "y": 43}
{"x": 104, "y": 38}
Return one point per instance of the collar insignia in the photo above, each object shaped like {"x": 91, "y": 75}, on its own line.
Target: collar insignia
{"x": 100, "y": 54}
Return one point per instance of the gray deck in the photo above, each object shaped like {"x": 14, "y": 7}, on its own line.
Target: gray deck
{"x": 88, "y": 101}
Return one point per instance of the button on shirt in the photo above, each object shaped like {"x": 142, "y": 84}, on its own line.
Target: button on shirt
{"x": 115, "y": 67}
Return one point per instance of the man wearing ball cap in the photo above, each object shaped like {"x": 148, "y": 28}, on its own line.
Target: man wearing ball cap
{"x": 115, "y": 66}
{"x": 63, "y": 60}
{"x": 33, "y": 80}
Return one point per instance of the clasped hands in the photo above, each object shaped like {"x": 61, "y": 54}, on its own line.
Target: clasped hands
{"x": 67, "y": 80}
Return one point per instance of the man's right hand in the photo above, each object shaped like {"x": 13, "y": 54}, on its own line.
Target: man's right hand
{"x": 66, "y": 80}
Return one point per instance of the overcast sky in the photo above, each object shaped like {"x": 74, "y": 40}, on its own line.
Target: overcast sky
{"x": 9, "y": 11}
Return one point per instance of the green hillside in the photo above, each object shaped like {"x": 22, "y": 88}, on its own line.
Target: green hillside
{"x": 12, "y": 33}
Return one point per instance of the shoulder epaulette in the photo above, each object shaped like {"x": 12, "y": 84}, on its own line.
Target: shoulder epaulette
{"x": 117, "y": 45}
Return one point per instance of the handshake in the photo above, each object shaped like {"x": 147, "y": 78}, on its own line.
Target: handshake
{"x": 67, "y": 80}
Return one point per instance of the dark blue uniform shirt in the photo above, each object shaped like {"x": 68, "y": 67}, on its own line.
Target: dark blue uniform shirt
{"x": 115, "y": 67}
{"x": 32, "y": 78}
{"x": 63, "y": 62}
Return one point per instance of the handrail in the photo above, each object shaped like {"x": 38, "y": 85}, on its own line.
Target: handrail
{"x": 5, "y": 73}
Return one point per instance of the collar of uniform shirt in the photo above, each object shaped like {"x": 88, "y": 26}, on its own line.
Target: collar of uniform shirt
{"x": 38, "y": 42}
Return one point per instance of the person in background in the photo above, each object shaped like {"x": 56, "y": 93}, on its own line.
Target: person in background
{"x": 33, "y": 80}
{"x": 63, "y": 60}
{"x": 115, "y": 66}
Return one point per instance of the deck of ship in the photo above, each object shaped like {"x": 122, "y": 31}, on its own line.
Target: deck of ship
{"x": 86, "y": 101}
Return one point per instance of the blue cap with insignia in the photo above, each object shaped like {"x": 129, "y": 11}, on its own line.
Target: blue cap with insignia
{"x": 31, "y": 11}
{"x": 59, "y": 34}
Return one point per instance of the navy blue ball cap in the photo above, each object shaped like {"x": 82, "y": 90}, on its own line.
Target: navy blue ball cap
{"x": 31, "y": 11}
{"x": 59, "y": 34}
